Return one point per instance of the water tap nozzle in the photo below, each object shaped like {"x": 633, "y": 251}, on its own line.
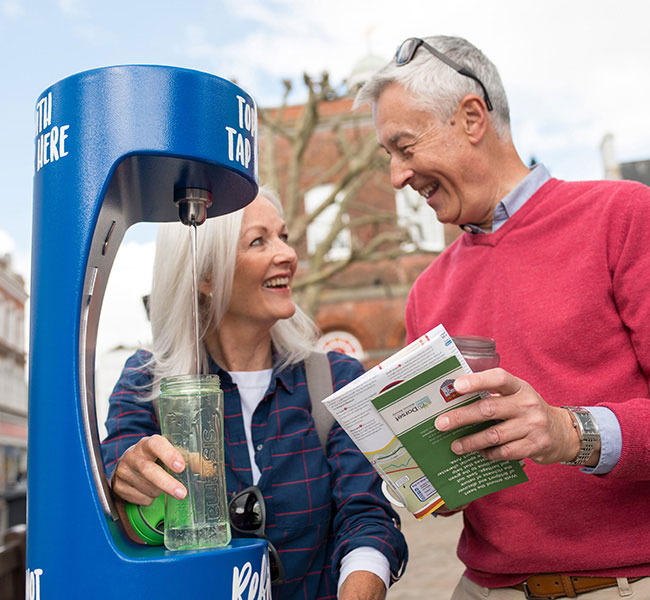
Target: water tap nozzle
{"x": 193, "y": 204}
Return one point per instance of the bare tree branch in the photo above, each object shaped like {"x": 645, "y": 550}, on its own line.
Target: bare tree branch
{"x": 294, "y": 140}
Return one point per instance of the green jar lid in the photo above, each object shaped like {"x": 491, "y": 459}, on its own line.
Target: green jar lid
{"x": 148, "y": 521}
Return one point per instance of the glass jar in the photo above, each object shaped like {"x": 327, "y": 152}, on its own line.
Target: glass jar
{"x": 479, "y": 352}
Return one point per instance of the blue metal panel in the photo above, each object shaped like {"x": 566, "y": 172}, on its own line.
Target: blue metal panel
{"x": 115, "y": 142}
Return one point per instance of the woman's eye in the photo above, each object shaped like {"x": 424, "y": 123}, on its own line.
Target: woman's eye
{"x": 405, "y": 151}
{"x": 257, "y": 241}
{"x": 284, "y": 237}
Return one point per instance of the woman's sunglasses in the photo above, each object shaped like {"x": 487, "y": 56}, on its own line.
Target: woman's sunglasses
{"x": 248, "y": 516}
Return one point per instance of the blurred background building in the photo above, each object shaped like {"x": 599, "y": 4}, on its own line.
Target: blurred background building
{"x": 638, "y": 170}
{"x": 13, "y": 396}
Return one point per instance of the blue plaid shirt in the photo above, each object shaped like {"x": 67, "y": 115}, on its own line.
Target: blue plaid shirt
{"x": 318, "y": 507}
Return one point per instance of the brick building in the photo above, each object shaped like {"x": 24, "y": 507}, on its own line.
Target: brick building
{"x": 13, "y": 390}
{"x": 360, "y": 309}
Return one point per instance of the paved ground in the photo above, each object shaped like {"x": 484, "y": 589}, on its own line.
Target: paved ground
{"x": 434, "y": 568}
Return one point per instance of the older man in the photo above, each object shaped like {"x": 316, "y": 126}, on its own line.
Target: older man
{"x": 558, "y": 273}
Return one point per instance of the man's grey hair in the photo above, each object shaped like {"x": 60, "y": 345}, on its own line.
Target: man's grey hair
{"x": 438, "y": 87}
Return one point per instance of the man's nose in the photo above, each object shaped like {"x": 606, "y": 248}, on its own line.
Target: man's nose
{"x": 399, "y": 174}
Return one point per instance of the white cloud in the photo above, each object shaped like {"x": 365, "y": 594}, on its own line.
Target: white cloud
{"x": 19, "y": 262}
{"x": 12, "y": 10}
{"x": 94, "y": 35}
{"x": 7, "y": 244}
{"x": 273, "y": 15}
{"x": 73, "y": 8}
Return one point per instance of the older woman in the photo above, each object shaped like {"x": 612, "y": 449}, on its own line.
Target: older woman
{"x": 330, "y": 529}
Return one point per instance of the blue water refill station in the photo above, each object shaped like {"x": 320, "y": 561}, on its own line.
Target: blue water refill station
{"x": 113, "y": 147}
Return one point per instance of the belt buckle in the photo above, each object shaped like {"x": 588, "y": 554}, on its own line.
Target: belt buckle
{"x": 529, "y": 595}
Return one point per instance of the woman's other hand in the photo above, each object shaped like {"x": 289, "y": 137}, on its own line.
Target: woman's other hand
{"x": 139, "y": 478}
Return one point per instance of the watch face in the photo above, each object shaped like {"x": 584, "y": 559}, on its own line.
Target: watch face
{"x": 588, "y": 433}
{"x": 589, "y": 426}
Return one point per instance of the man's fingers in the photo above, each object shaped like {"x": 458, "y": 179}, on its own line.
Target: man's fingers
{"x": 497, "y": 435}
{"x": 499, "y": 382}
{"x": 515, "y": 450}
{"x": 485, "y": 409}
{"x": 494, "y": 380}
{"x": 525, "y": 427}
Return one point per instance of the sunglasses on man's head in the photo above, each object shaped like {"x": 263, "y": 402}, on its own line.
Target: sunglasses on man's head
{"x": 409, "y": 47}
{"x": 248, "y": 516}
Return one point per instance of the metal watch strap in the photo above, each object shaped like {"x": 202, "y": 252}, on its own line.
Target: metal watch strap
{"x": 588, "y": 432}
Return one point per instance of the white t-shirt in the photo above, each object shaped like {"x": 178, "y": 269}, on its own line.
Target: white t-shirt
{"x": 252, "y": 385}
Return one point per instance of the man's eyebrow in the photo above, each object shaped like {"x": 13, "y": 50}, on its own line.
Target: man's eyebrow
{"x": 395, "y": 138}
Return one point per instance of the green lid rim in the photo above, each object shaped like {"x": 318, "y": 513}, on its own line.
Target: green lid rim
{"x": 150, "y": 535}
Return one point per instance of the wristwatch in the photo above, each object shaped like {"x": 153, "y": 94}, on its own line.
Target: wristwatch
{"x": 588, "y": 432}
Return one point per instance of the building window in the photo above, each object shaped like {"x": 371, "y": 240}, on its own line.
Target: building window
{"x": 20, "y": 330}
{"x": 321, "y": 226}
{"x": 420, "y": 220}
{"x": 9, "y": 322}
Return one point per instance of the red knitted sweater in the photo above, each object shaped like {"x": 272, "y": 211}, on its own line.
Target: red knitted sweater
{"x": 564, "y": 289}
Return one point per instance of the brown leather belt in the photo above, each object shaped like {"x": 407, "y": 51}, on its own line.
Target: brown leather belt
{"x": 557, "y": 585}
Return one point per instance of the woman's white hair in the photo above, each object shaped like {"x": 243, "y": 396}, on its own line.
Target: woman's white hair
{"x": 439, "y": 88}
{"x": 171, "y": 300}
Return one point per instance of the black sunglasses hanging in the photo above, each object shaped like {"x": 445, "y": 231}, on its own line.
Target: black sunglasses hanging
{"x": 247, "y": 512}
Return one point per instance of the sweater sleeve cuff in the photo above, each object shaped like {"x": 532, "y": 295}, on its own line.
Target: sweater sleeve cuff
{"x": 365, "y": 558}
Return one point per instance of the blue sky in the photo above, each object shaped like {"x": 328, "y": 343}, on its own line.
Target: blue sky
{"x": 574, "y": 70}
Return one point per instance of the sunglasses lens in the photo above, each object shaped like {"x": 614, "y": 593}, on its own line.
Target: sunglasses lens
{"x": 406, "y": 51}
{"x": 246, "y": 513}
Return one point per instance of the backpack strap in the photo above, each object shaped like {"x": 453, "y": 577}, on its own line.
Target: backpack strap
{"x": 320, "y": 386}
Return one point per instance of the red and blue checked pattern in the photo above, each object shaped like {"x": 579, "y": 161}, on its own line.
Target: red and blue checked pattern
{"x": 318, "y": 507}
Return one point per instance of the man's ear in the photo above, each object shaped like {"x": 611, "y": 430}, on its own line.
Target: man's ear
{"x": 473, "y": 115}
